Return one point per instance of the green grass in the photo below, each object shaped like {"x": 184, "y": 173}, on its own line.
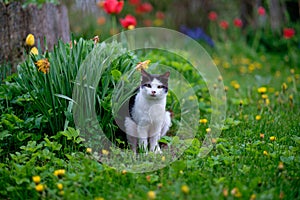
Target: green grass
{"x": 241, "y": 164}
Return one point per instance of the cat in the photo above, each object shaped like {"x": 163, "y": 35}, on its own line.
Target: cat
{"x": 148, "y": 120}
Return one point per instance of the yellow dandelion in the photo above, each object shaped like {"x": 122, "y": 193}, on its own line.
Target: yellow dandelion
{"x": 89, "y": 150}
{"x": 284, "y": 87}
{"x": 98, "y": 198}
{"x": 124, "y": 171}
{"x": 253, "y": 197}
{"x": 60, "y": 186}
{"x": 225, "y": 88}
{"x": 236, "y": 86}
{"x": 151, "y": 195}
{"x": 291, "y": 97}
{"x": 34, "y": 51}
{"x": 29, "y": 40}
{"x": 236, "y": 192}
{"x": 208, "y": 130}
{"x": 262, "y": 90}
{"x": 185, "y": 189}
{"x": 39, "y": 187}
{"x": 163, "y": 158}
{"x": 241, "y": 102}
{"x": 267, "y": 101}
{"x": 257, "y": 117}
{"x": 36, "y": 179}
{"x": 265, "y": 153}
{"x": 59, "y": 172}
{"x": 43, "y": 65}
{"x": 226, "y": 65}
{"x": 225, "y": 192}
{"x": 105, "y": 152}
{"x": 289, "y": 79}
{"x": 61, "y": 193}
{"x": 220, "y": 78}
{"x": 272, "y": 138}
{"x": 297, "y": 76}
{"x": 159, "y": 185}
{"x": 181, "y": 172}
{"x": 292, "y": 71}
{"x": 203, "y": 121}
{"x": 280, "y": 166}
{"x": 264, "y": 96}
{"x": 142, "y": 65}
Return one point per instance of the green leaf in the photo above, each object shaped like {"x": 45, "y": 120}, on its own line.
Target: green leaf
{"x": 116, "y": 74}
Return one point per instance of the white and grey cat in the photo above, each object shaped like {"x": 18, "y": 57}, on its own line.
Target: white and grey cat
{"x": 148, "y": 120}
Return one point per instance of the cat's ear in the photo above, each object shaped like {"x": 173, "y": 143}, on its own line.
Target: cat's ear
{"x": 166, "y": 75}
{"x": 145, "y": 74}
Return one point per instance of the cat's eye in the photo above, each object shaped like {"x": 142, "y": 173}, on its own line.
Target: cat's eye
{"x": 160, "y": 86}
{"x": 147, "y": 85}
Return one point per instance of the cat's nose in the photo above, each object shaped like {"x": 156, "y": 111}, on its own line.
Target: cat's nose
{"x": 153, "y": 92}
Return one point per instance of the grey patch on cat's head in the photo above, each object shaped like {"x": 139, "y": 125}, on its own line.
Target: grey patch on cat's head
{"x": 148, "y": 78}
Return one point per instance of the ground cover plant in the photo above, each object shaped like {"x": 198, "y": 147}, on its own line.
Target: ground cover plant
{"x": 257, "y": 156}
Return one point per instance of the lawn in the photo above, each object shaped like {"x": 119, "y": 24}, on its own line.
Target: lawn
{"x": 52, "y": 143}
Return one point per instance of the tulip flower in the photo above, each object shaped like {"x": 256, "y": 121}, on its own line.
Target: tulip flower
{"x": 113, "y": 6}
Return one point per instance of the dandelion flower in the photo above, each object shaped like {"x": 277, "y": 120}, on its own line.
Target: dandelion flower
{"x": 43, "y": 65}
{"x": 124, "y": 172}
{"x": 99, "y": 198}
{"x": 236, "y": 86}
{"x": 261, "y": 135}
{"x": 236, "y": 192}
{"x": 34, "y": 51}
{"x": 29, "y": 40}
{"x": 142, "y": 65}
{"x": 89, "y": 150}
{"x": 163, "y": 158}
{"x": 39, "y": 187}
{"x": 265, "y": 153}
{"x": 280, "y": 166}
{"x": 253, "y": 197}
{"x": 208, "y": 130}
{"x": 264, "y": 96}
{"x": 59, "y": 172}
{"x": 151, "y": 195}
{"x": 262, "y": 90}
{"x": 185, "y": 189}
{"x": 61, "y": 192}
{"x": 203, "y": 121}
{"x": 60, "y": 186}
{"x": 257, "y": 117}
{"x": 284, "y": 87}
{"x": 105, "y": 152}
{"x": 272, "y": 138}
{"x": 36, "y": 179}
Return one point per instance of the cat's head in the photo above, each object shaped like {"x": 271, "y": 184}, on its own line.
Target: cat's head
{"x": 154, "y": 86}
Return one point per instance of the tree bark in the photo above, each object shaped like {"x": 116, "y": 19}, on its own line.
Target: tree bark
{"x": 50, "y": 22}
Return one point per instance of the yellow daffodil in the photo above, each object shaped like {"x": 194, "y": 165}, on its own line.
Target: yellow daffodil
{"x": 29, "y": 40}
{"x": 43, "y": 65}
{"x": 185, "y": 189}
{"x": 34, "y": 51}
{"x": 39, "y": 187}
{"x": 203, "y": 121}
{"x": 36, "y": 179}
{"x": 151, "y": 195}
{"x": 60, "y": 186}
{"x": 272, "y": 138}
{"x": 142, "y": 65}
{"x": 262, "y": 90}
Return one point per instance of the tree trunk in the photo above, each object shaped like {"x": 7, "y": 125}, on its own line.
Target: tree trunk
{"x": 49, "y": 21}
{"x": 276, "y": 15}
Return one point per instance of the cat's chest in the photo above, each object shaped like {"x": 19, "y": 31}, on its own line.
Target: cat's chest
{"x": 146, "y": 110}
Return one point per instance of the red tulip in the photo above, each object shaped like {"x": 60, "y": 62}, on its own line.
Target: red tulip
{"x": 212, "y": 16}
{"x": 113, "y": 6}
{"x": 261, "y": 11}
{"x": 129, "y": 20}
{"x": 224, "y": 24}
{"x": 160, "y": 15}
{"x": 288, "y": 33}
{"x": 238, "y": 22}
{"x": 144, "y": 8}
